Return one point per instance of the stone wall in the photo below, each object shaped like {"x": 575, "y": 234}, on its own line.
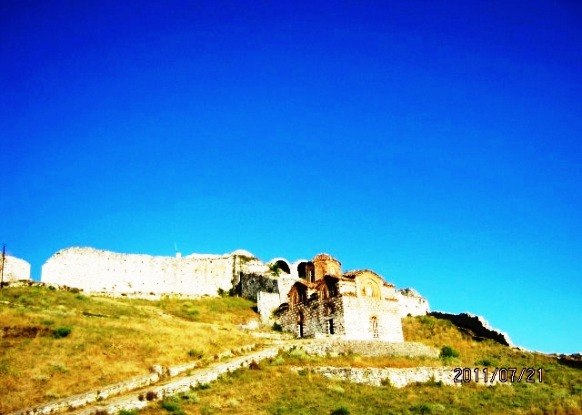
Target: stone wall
{"x": 252, "y": 284}
{"x": 315, "y": 317}
{"x": 396, "y": 377}
{"x": 15, "y": 269}
{"x": 267, "y": 303}
{"x": 103, "y": 271}
{"x": 334, "y": 347}
{"x": 358, "y": 315}
{"x": 411, "y": 303}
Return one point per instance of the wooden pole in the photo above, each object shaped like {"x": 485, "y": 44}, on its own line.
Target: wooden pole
{"x": 2, "y": 269}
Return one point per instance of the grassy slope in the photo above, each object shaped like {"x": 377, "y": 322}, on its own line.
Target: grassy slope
{"x": 137, "y": 334}
{"x": 130, "y": 337}
{"x": 274, "y": 389}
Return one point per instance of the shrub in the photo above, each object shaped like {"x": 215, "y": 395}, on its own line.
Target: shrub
{"x": 151, "y": 395}
{"x": 172, "y": 404}
{"x": 386, "y": 382}
{"x": 232, "y": 403}
{"x": 189, "y": 397}
{"x": 421, "y": 408}
{"x": 128, "y": 412}
{"x": 448, "y": 352}
{"x": 342, "y": 410}
{"x": 198, "y": 354}
{"x": 486, "y": 362}
{"x": 277, "y": 327}
{"x": 61, "y": 332}
{"x": 278, "y": 361}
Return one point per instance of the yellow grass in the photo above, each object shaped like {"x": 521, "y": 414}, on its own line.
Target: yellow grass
{"x": 126, "y": 340}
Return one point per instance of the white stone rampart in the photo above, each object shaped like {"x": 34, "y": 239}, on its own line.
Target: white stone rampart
{"x": 411, "y": 303}
{"x": 103, "y": 271}
{"x": 15, "y": 269}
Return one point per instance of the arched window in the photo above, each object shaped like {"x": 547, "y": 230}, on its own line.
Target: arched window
{"x": 297, "y": 295}
{"x": 374, "y": 327}
{"x": 370, "y": 289}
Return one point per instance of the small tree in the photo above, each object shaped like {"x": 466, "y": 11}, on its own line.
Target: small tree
{"x": 275, "y": 270}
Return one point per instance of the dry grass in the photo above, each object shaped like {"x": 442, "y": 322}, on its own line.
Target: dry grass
{"x": 110, "y": 340}
{"x": 274, "y": 389}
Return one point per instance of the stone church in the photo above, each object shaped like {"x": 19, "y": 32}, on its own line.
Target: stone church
{"x": 355, "y": 305}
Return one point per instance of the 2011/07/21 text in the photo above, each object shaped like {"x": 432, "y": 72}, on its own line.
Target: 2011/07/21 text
{"x": 503, "y": 375}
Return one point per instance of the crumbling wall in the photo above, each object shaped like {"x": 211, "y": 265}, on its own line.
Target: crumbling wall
{"x": 103, "y": 271}
{"x": 15, "y": 269}
{"x": 411, "y": 303}
{"x": 252, "y": 284}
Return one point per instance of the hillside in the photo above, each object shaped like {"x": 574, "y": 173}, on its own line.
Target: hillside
{"x": 56, "y": 344}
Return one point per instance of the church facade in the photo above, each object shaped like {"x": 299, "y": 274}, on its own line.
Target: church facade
{"x": 356, "y": 305}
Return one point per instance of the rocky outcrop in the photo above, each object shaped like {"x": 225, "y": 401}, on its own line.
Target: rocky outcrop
{"x": 477, "y": 325}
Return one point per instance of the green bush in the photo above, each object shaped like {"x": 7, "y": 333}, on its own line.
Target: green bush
{"x": 421, "y": 409}
{"x": 198, "y": 354}
{"x": 128, "y": 412}
{"x": 61, "y": 332}
{"x": 448, "y": 352}
{"x": 486, "y": 362}
{"x": 342, "y": 410}
{"x": 172, "y": 404}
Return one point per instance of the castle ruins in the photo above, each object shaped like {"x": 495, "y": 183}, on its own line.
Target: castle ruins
{"x": 310, "y": 298}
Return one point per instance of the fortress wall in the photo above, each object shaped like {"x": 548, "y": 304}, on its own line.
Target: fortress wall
{"x": 15, "y": 269}
{"x": 102, "y": 271}
{"x": 412, "y": 303}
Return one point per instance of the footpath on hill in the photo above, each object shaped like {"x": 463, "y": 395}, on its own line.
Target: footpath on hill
{"x": 138, "y": 392}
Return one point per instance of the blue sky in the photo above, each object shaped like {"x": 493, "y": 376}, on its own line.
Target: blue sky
{"x": 438, "y": 144}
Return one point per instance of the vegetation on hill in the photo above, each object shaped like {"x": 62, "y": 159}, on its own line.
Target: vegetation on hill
{"x": 56, "y": 344}
{"x": 272, "y": 388}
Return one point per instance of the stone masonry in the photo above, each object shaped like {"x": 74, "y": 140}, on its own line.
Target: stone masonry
{"x": 15, "y": 269}
{"x": 356, "y": 305}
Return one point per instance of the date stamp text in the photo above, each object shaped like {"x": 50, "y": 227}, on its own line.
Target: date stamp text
{"x": 503, "y": 375}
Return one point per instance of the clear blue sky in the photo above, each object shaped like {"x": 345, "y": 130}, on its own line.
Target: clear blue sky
{"x": 438, "y": 143}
